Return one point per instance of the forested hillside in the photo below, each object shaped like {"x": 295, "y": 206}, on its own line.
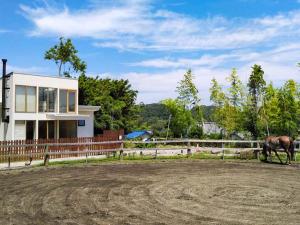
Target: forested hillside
{"x": 155, "y": 117}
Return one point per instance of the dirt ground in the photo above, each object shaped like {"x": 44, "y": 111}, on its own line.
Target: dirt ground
{"x": 171, "y": 192}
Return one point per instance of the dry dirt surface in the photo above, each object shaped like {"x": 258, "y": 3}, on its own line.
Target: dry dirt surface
{"x": 171, "y": 192}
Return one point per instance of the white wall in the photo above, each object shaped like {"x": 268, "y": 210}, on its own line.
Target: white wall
{"x": 20, "y": 130}
{"x": 88, "y": 129}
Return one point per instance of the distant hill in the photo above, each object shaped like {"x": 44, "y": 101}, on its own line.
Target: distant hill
{"x": 155, "y": 110}
{"x": 208, "y": 112}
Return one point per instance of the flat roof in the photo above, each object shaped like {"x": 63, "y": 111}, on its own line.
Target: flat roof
{"x": 41, "y": 75}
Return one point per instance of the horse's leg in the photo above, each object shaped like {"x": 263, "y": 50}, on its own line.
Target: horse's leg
{"x": 270, "y": 154}
{"x": 278, "y": 156}
{"x": 288, "y": 157}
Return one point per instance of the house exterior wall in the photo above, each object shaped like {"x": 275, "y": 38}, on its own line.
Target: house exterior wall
{"x": 88, "y": 129}
{"x": 7, "y": 130}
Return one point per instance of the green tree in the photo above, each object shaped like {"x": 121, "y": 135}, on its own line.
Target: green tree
{"x": 182, "y": 119}
{"x": 288, "y": 105}
{"x": 233, "y": 109}
{"x": 271, "y": 110}
{"x": 187, "y": 91}
{"x": 256, "y": 85}
{"x": 236, "y": 89}
{"x": 115, "y": 98}
{"x": 188, "y": 97}
{"x": 65, "y": 57}
{"x": 217, "y": 96}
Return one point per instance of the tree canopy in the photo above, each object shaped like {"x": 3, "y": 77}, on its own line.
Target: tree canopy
{"x": 264, "y": 110}
{"x": 185, "y": 111}
{"x": 65, "y": 57}
{"x": 116, "y": 99}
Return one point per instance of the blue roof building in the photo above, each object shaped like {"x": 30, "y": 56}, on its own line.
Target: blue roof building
{"x": 143, "y": 134}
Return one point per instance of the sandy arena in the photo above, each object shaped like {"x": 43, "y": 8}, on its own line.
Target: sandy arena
{"x": 171, "y": 192}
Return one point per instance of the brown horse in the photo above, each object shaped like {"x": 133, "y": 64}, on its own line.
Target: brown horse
{"x": 275, "y": 143}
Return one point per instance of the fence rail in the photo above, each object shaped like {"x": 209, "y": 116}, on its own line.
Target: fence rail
{"x": 14, "y": 151}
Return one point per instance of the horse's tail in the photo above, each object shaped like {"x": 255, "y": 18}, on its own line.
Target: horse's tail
{"x": 292, "y": 148}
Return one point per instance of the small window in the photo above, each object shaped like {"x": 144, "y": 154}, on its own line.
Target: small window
{"x": 81, "y": 123}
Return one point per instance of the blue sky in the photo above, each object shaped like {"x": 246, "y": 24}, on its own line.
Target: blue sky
{"x": 153, "y": 42}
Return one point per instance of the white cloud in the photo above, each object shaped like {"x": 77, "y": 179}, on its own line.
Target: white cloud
{"x": 132, "y": 24}
{"x": 154, "y": 87}
{"x": 137, "y": 25}
{"x": 205, "y": 60}
{"x": 279, "y": 65}
{"x": 284, "y": 54}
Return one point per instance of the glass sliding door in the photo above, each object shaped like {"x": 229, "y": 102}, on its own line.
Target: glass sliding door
{"x": 51, "y": 129}
{"x": 67, "y": 128}
{"x": 43, "y": 130}
{"x": 30, "y": 130}
{"x": 47, "y": 129}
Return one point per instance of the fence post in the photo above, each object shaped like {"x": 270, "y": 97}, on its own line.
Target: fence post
{"x": 121, "y": 151}
{"x": 155, "y": 154}
{"x": 46, "y": 157}
{"x": 86, "y": 158}
{"x": 258, "y": 150}
{"x": 223, "y": 154}
{"x": 295, "y": 152}
{"x": 188, "y": 152}
{"x": 9, "y": 155}
{"x": 141, "y": 154}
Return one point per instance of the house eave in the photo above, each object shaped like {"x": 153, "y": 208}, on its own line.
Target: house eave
{"x": 88, "y": 108}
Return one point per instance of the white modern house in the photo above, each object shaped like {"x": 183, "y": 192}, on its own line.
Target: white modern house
{"x": 41, "y": 107}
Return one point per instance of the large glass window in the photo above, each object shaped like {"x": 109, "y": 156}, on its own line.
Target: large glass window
{"x": 63, "y": 101}
{"x": 71, "y": 102}
{"x": 20, "y": 98}
{"x": 31, "y": 99}
{"x": 47, "y": 99}
{"x": 25, "y": 99}
{"x": 67, "y": 101}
